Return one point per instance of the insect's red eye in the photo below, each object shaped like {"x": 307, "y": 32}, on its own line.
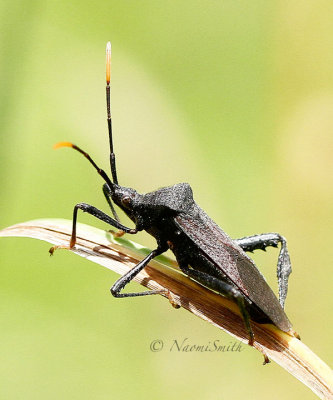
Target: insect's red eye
{"x": 126, "y": 201}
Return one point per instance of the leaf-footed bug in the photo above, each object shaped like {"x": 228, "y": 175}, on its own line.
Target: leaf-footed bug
{"x": 202, "y": 249}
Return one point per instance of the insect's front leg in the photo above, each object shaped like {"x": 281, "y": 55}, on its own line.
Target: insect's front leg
{"x": 96, "y": 213}
{"x": 264, "y": 240}
{"x": 223, "y": 288}
{"x": 107, "y": 195}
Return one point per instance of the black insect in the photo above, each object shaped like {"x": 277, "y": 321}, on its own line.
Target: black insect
{"x": 203, "y": 250}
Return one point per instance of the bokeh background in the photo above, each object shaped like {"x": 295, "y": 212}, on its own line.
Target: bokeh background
{"x": 234, "y": 97}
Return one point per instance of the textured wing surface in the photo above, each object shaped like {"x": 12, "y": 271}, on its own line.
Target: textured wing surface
{"x": 220, "y": 249}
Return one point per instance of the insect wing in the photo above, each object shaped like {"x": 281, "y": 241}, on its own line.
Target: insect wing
{"x": 220, "y": 249}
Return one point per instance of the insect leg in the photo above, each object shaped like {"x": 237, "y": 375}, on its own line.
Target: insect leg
{"x": 107, "y": 194}
{"x": 264, "y": 240}
{"x": 226, "y": 290}
{"x": 96, "y": 213}
{"x": 125, "y": 279}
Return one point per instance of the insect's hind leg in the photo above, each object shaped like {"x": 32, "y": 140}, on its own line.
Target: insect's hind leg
{"x": 225, "y": 289}
{"x": 264, "y": 240}
{"x": 96, "y": 213}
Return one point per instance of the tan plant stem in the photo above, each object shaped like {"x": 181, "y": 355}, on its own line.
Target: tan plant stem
{"x": 120, "y": 255}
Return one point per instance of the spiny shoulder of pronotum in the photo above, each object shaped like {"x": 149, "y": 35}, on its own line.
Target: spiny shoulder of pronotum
{"x": 167, "y": 200}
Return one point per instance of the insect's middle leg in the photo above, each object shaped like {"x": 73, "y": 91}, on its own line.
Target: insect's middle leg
{"x": 223, "y": 288}
{"x": 264, "y": 240}
{"x": 129, "y": 276}
{"x": 96, "y": 213}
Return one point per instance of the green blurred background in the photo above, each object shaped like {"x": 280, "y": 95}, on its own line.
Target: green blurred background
{"x": 234, "y": 97}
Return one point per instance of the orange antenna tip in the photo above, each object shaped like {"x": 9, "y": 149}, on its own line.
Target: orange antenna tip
{"x": 108, "y": 62}
{"x": 63, "y": 144}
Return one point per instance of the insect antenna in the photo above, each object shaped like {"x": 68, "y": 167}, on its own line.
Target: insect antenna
{"x": 108, "y": 108}
{"x": 112, "y": 156}
{"x": 99, "y": 170}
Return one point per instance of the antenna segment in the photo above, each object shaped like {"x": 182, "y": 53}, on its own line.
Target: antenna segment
{"x": 108, "y": 107}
